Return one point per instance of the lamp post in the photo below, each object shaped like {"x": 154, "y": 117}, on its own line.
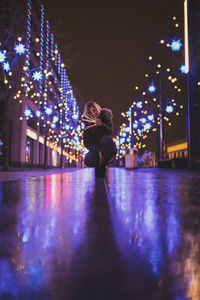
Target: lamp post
{"x": 131, "y": 126}
{"x": 191, "y": 68}
{"x": 161, "y": 127}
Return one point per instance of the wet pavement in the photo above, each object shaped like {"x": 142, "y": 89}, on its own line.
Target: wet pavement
{"x": 67, "y": 235}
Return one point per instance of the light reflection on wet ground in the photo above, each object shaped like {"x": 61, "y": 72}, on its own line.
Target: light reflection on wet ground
{"x": 62, "y": 236}
{"x": 156, "y": 220}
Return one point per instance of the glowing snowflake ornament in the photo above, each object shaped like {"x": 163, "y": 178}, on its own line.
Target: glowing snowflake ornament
{"x": 75, "y": 116}
{"x": 151, "y": 88}
{"x": 67, "y": 127}
{"x": 2, "y": 56}
{"x": 135, "y": 125}
{"x": 143, "y": 120}
{"x": 176, "y": 45}
{"x": 20, "y": 49}
{"x": 169, "y": 109}
{"x": 6, "y": 66}
{"x": 38, "y": 113}
{"x": 48, "y": 111}
{"x": 147, "y": 126}
{"x": 183, "y": 69}
{"x": 37, "y": 75}
{"x": 27, "y": 112}
{"x": 139, "y": 104}
{"x": 151, "y": 117}
{"x": 55, "y": 119}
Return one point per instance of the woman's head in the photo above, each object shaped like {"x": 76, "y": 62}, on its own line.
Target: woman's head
{"x": 92, "y": 108}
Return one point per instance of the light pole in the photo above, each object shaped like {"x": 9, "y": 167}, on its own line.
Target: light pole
{"x": 131, "y": 126}
{"x": 161, "y": 127}
{"x": 191, "y": 68}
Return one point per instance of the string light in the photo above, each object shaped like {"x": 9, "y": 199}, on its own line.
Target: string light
{"x": 64, "y": 115}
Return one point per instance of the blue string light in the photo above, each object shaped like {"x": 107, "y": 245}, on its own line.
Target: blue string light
{"x": 38, "y": 86}
{"x": 28, "y": 46}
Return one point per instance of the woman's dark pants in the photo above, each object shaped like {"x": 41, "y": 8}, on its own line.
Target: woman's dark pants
{"x": 108, "y": 151}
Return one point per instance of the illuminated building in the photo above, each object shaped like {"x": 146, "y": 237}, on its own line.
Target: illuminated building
{"x": 43, "y": 110}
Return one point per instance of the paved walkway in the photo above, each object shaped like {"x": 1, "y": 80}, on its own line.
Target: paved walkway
{"x": 69, "y": 236}
{"x": 19, "y": 173}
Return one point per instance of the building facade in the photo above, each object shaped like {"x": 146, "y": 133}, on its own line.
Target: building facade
{"x": 39, "y": 113}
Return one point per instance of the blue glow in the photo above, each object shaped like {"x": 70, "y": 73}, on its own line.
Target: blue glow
{"x": 152, "y": 88}
{"x": 151, "y": 117}
{"x": 75, "y": 116}
{"x": 147, "y": 126}
{"x": 25, "y": 237}
{"x": 67, "y": 127}
{"x": 2, "y": 56}
{"x": 78, "y": 129}
{"x": 38, "y": 113}
{"x": 139, "y": 104}
{"x": 139, "y": 131}
{"x": 48, "y": 111}
{"x": 55, "y": 119}
{"x": 143, "y": 120}
{"x": 123, "y": 134}
{"x": 135, "y": 125}
{"x": 53, "y": 125}
{"x": 37, "y": 75}
{"x": 128, "y": 113}
{"x": 27, "y": 112}
{"x": 169, "y": 109}
{"x": 20, "y": 49}
{"x": 6, "y": 66}
{"x": 183, "y": 69}
{"x": 176, "y": 45}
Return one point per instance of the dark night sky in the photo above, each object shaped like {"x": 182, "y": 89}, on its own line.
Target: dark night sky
{"x": 114, "y": 39}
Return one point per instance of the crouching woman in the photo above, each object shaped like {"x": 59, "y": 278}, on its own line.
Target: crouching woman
{"x": 97, "y": 137}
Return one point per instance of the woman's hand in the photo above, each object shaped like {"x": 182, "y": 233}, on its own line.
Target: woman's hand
{"x": 99, "y": 123}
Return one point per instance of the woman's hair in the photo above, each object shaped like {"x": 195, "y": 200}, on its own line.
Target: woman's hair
{"x": 90, "y": 104}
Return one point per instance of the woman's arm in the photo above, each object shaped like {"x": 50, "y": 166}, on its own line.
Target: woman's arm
{"x": 108, "y": 127}
{"x": 106, "y": 117}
